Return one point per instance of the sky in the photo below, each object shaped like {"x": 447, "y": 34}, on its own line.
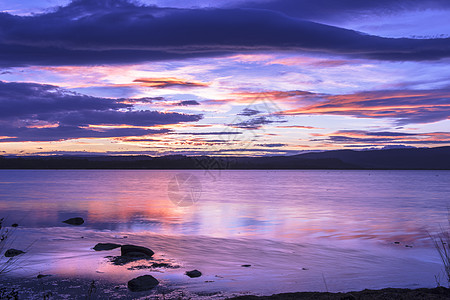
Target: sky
{"x": 239, "y": 77}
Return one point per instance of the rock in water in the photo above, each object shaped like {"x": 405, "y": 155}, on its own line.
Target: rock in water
{"x": 135, "y": 251}
{"x": 142, "y": 283}
{"x": 194, "y": 273}
{"x": 74, "y": 221}
{"x": 13, "y": 252}
{"x": 105, "y": 246}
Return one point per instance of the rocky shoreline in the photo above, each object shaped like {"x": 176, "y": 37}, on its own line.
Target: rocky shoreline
{"x": 383, "y": 294}
{"x": 64, "y": 288}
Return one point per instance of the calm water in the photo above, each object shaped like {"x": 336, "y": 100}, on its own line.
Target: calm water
{"x": 297, "y": 229}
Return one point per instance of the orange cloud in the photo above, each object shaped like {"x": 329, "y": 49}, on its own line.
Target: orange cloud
{"x": 405, "y": 106}
{"x": 165, "y": 82}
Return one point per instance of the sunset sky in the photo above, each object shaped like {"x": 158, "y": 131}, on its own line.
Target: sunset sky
{"x": 224, "y": 77}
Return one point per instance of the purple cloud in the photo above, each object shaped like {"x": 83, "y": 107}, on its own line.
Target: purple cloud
{"x": 30, "y": 111}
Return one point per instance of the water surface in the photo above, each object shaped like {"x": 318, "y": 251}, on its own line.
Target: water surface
{"x": 299, "y": 230}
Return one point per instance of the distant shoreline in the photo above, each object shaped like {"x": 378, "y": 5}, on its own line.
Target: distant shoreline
{"x": 390, "y": 159}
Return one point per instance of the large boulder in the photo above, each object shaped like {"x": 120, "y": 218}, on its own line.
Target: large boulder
{"x": 194, "y": 273}
{"x": 74, "y": 221}
{"x": 13, "y": 252}
{"x": 105, "y": 246}
{"x": 136, "y": 251}
{"x": 142, "y": 283}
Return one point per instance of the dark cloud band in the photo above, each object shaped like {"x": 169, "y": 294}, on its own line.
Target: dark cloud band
{"x": 116, "y": 31}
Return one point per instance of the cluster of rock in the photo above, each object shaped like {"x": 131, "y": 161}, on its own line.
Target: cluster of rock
{"x": 127, "y": 253}
{"x": 133, "y": 252}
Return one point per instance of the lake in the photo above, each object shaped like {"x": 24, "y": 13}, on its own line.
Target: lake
{"x": 298, "y": 230}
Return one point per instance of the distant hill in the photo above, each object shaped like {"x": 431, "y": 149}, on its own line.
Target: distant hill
{"x": 389, "y": 159}
{"x": 407, "y": 158}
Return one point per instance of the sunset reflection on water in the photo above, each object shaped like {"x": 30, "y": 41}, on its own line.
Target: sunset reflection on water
{"x": 339, "y": 223}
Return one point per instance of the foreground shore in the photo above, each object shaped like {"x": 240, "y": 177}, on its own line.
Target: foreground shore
{"x": 64, "y": 288}
{"x": 383, "y": 294}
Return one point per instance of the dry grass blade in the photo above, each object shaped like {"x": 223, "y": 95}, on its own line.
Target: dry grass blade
{"x": 7, "y": 264}
{"x": 441, "y": 242}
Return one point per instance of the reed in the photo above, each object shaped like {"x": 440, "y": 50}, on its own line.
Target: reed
{"x": 7, "y": 264}
{"x": 441, "y": 242}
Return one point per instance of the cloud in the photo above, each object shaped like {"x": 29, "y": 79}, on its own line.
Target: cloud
{"x": 168, "y": 82}
{"x": 249, "y": 112}
{"x": 188, "y": 103}
{"x": 255, "y": 123}
{"x": 210, "y": 133}
{"x": 142, "y": 140}
{"x": 355, "y": 137}
{"x": 144, "y": 100}
{"x": 299, "y": 127}
{"x": 319, "y": 9}
{"x": 273, "y": 145}
{"x": 270, "y": 98}
{"x": 403, "y": 106}
{"x": 62, "y": 132}
{"x": 20, "y": 100}
{"x": 117, "y": 31}
{"x": 32, "y": 112}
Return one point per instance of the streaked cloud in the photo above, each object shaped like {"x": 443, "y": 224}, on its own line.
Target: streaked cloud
{"x": 298, "y": 127}
{"x": 326, "y": 9}
{"x": 402, "y": 106}
{"x": 188, "y": 103}
{"x": 355, "y": 137}
{"x": 249, "y": 112}
{"x": 256, "y": 123}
